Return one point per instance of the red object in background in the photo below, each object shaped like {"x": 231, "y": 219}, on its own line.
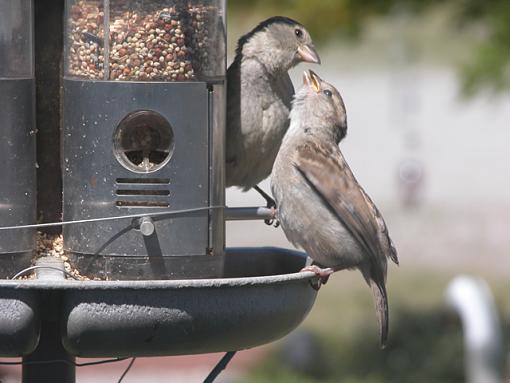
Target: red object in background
{"x": 185, "y": 369}
{"x": 411, "y": 182}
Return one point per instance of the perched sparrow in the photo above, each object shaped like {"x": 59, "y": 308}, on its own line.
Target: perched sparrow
{"x": 321, "y": 206}
{"x": 259, "y": 98}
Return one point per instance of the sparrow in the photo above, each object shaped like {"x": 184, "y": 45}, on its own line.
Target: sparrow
{"x": 259, "y": 98}
{"x": 321, "y": 206}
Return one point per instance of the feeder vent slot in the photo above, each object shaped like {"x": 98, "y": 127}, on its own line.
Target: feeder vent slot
{"x": 141, "y": 204}
{"x": 142, "y": 193}
{"x": 146, "y": 181}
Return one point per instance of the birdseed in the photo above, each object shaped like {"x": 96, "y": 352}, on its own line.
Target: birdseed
{"x": 53, "y": 246}
{"x": 153, "y": 44}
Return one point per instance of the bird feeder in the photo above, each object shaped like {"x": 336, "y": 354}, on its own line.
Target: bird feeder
{"x": 17, "y": 145}
{"x": 143, "y": 134}
{"x": 144, "y": 115}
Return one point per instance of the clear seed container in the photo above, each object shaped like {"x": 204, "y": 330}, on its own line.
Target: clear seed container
{"x": 16, "y": 60}
{"x": 144, "y": 124}
{"x": 17, "y": 128}
{"x": 154, "y": 40}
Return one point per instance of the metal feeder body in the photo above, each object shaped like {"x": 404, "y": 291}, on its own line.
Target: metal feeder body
{"x": 17, "y": 146}
{"x": 144, "y": 122}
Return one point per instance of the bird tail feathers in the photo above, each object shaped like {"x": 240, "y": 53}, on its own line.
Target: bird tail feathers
{"x": 393, "y": 253}
{"x": 381, "y": 306}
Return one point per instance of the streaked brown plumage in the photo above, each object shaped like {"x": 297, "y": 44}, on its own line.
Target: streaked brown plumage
{"x": 321, "y": 206}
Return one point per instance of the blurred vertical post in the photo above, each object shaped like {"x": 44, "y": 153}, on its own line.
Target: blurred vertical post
{"x": 406, "y": 104}
{"x": 472, "y": 300}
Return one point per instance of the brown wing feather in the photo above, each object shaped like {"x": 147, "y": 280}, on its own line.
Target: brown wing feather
{"x": 326, "y": 169}
{"x": 383, "y": 229}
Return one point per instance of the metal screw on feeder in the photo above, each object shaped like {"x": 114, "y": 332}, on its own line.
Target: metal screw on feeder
{"x": 146, "y": 226}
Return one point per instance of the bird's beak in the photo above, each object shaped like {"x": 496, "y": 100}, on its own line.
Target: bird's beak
{"x": 307, "y": 53}
{"x": 311, "y": 79}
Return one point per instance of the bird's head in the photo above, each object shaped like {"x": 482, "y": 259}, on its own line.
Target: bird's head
{"x": 279, "y": 43}
{"x": 318, "y": 106}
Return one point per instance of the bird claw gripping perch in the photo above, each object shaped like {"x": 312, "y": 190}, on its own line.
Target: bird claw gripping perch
{"x": 271, "y": 204}
{"x": 274, "y": 221}
{"x": 322, "y": 276}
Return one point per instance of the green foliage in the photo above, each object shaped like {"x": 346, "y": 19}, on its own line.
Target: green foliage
{"x": 328, "y": 18}
{"x": 490, "y": 65}
{"x": 425, "y": 343}
{"x": 425, "y": 346}
{"x": 487, "y": 68}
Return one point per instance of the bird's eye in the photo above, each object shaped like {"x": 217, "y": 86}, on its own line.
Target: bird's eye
{"x": 299, "y": 33}
{"x": 328, "y": 93}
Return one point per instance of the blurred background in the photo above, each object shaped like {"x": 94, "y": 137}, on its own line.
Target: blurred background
{"x": 426, "y": 84}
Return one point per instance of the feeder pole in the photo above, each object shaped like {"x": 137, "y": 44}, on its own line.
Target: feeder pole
{"x": 48, "y": 35}
{"x": 48, "y": 38}
{"x": 49, "y": 349}
{"x": 50, "y": 362}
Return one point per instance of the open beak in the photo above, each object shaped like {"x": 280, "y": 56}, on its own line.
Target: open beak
{"x": 307, "y": 53}
{"x": 311, "y": 79}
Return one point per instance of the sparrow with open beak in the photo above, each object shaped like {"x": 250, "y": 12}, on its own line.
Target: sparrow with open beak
{"x": 259, "y": 98}
{"x": 321, "y": 206}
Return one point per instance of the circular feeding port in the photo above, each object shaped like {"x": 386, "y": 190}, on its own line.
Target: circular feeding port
{"x": 143, "y": 141}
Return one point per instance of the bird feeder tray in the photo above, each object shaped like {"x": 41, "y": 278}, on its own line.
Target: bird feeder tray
{"x": 261, "y": 298}
{"x": 19, "y": 319}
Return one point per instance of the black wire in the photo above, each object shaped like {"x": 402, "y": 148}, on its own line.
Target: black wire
{"x": 105, "y": 361}
{"x": 31, "y": 268}
{"x": 126, "y": 370}
{"x": 104, "y": 219}
{"x": 222, "y": 364}
{"x": 86, "y": 364}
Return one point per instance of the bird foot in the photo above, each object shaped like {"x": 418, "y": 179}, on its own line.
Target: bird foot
{"x": 274, "y": 221}
{"x": 322, "y": 274}
{"x": 271, "y": 204}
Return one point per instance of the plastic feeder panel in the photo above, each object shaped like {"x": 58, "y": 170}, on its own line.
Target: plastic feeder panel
{"x": 144, "y": 109}
{"x": 17, "y": 130}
